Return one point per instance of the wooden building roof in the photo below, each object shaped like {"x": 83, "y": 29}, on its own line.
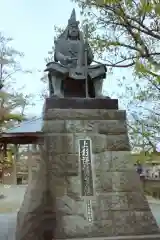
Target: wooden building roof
{"x": 24, "y": 133}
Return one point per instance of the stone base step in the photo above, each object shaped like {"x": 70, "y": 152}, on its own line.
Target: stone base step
{"x": 81, "y": 103}
{"x": 134, "y": 237}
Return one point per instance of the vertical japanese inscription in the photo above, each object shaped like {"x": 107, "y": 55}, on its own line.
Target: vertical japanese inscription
{"x": 85, "y": 155}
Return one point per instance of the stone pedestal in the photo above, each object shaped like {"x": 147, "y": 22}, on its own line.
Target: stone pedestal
{"x": 53, "y": 207}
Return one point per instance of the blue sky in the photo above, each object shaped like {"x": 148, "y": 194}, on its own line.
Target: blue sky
{"x": 31, "y": 24}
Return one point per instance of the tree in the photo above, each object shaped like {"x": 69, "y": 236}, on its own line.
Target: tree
{"x": 126, "y": 34}
{"x": 9, "y": 60}
{"x": 125, "y": 25}
{"x": 12, "y": 101}
{"x": 12, "y": 108}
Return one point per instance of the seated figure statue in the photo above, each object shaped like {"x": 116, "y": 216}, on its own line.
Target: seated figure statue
{"x": 72, "y": 69}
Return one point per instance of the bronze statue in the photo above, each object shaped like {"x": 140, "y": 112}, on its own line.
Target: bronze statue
{"x": 72, "y": 75}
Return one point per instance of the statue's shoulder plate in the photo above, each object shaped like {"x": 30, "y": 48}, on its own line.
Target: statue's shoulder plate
{"x": 60, "y": 45}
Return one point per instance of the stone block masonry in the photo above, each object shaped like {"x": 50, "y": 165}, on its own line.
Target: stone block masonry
{"x": 53, "y": 205}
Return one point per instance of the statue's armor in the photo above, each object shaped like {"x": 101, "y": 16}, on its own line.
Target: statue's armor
{"x": 70, "y": 70}
{"x": 73, "y": 49}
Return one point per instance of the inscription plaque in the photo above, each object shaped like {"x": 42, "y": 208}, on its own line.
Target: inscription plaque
{"x": 89, "y": 211}
{"x": 85, "y": 155}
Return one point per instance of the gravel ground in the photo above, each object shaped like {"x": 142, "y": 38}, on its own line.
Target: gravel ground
{"x": 11, "y": 203}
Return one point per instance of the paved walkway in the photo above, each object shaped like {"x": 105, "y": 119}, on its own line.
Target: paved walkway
{"x": 8, "y": 208}
{"x": 7, "y": 226}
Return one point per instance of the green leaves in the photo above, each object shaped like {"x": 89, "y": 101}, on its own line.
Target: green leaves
{"x": 12, "y": 108}
{"x": 14, "y": 116}
{"x": 139, "y": 67}
{"x": 157, "y": 9}
{"x": 146, "y": 6}
{"x": 105, "y": 2}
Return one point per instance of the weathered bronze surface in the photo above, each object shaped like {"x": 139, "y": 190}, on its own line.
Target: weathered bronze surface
{"x": 72, "y": 71}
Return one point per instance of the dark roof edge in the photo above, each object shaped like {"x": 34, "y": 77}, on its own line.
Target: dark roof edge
{"x": 7, "y": 135}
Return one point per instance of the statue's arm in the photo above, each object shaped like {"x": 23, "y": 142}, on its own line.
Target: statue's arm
{"x": 58, "y": 57}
